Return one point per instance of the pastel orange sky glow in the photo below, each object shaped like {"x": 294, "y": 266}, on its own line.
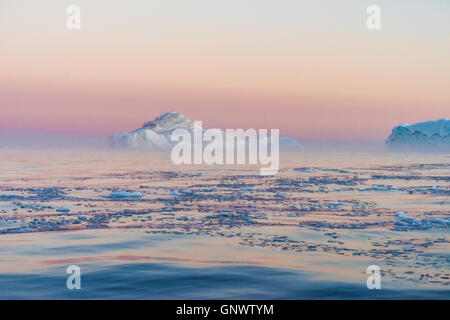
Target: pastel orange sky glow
{"x": 310, "y": 68}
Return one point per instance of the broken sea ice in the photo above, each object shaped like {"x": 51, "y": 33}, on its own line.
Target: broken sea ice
{"x": 125, "y": 194}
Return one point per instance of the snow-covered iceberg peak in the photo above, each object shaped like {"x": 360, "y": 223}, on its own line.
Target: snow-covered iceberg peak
{"x": 153, "y": 135}
{"x": 169, "y": 121}
{"x": 426, "y": 135}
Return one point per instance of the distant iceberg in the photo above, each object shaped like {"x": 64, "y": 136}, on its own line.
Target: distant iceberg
{"x": 155, "y": 135}
{"x": 422, "y": 136}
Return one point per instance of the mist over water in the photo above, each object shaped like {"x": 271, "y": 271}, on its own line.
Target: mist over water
{"x": 88, "y": 142}
{"x": 51, "y": 141}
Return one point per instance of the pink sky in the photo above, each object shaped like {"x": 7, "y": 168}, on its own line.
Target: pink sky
{"x": 314, "y": 76}
{"x": 63, "y": 110}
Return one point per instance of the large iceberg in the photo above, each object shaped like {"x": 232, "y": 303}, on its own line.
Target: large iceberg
{"x": 155, "y": 135}
{"x": 428, "y": 135}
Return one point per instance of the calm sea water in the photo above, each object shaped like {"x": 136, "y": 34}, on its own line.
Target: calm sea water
{"x": 140, "y": 228}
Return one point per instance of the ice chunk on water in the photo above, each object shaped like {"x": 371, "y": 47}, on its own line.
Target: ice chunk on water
{"x": 439, "y": 221}
{"x": 435, "y": 189}
{"x": 257, "y": 214}
{"x": 11, "y": 196}
{"x": 402, "y": 216}
{"x": 182, "y": 192}
{"x": 125, "y": 194}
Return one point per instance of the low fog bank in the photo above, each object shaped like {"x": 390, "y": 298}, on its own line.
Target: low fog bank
{"x": 344, "y": 146}
{"x": 51, "y": 141}
{"x": 371, "y": 147}
{"x": 61, "y": 142}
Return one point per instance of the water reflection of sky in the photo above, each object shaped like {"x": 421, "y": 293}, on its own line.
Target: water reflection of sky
{"x": 311, "y": 233}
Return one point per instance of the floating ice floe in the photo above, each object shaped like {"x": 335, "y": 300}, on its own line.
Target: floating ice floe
{"x": 402, "y": 216}
{"x": 247, "y": 188}
{"x": 125, "y": 194}
{"x": 11, "y": 196}
{"x": 435, "y": 189}
{"x": 336, "y": 204}
{"x": 182, "y": 193}
{"x": 32, "y": 206}
{"x": 256, "y": 214}
{"x": 48, "y": 193}
{"x": 439, "y": 221}
{"x": 405, "y": 222}
{"x": 380, "y": 188}
{"x": 305, "y": 169}
{"x": 377, "y": 187}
